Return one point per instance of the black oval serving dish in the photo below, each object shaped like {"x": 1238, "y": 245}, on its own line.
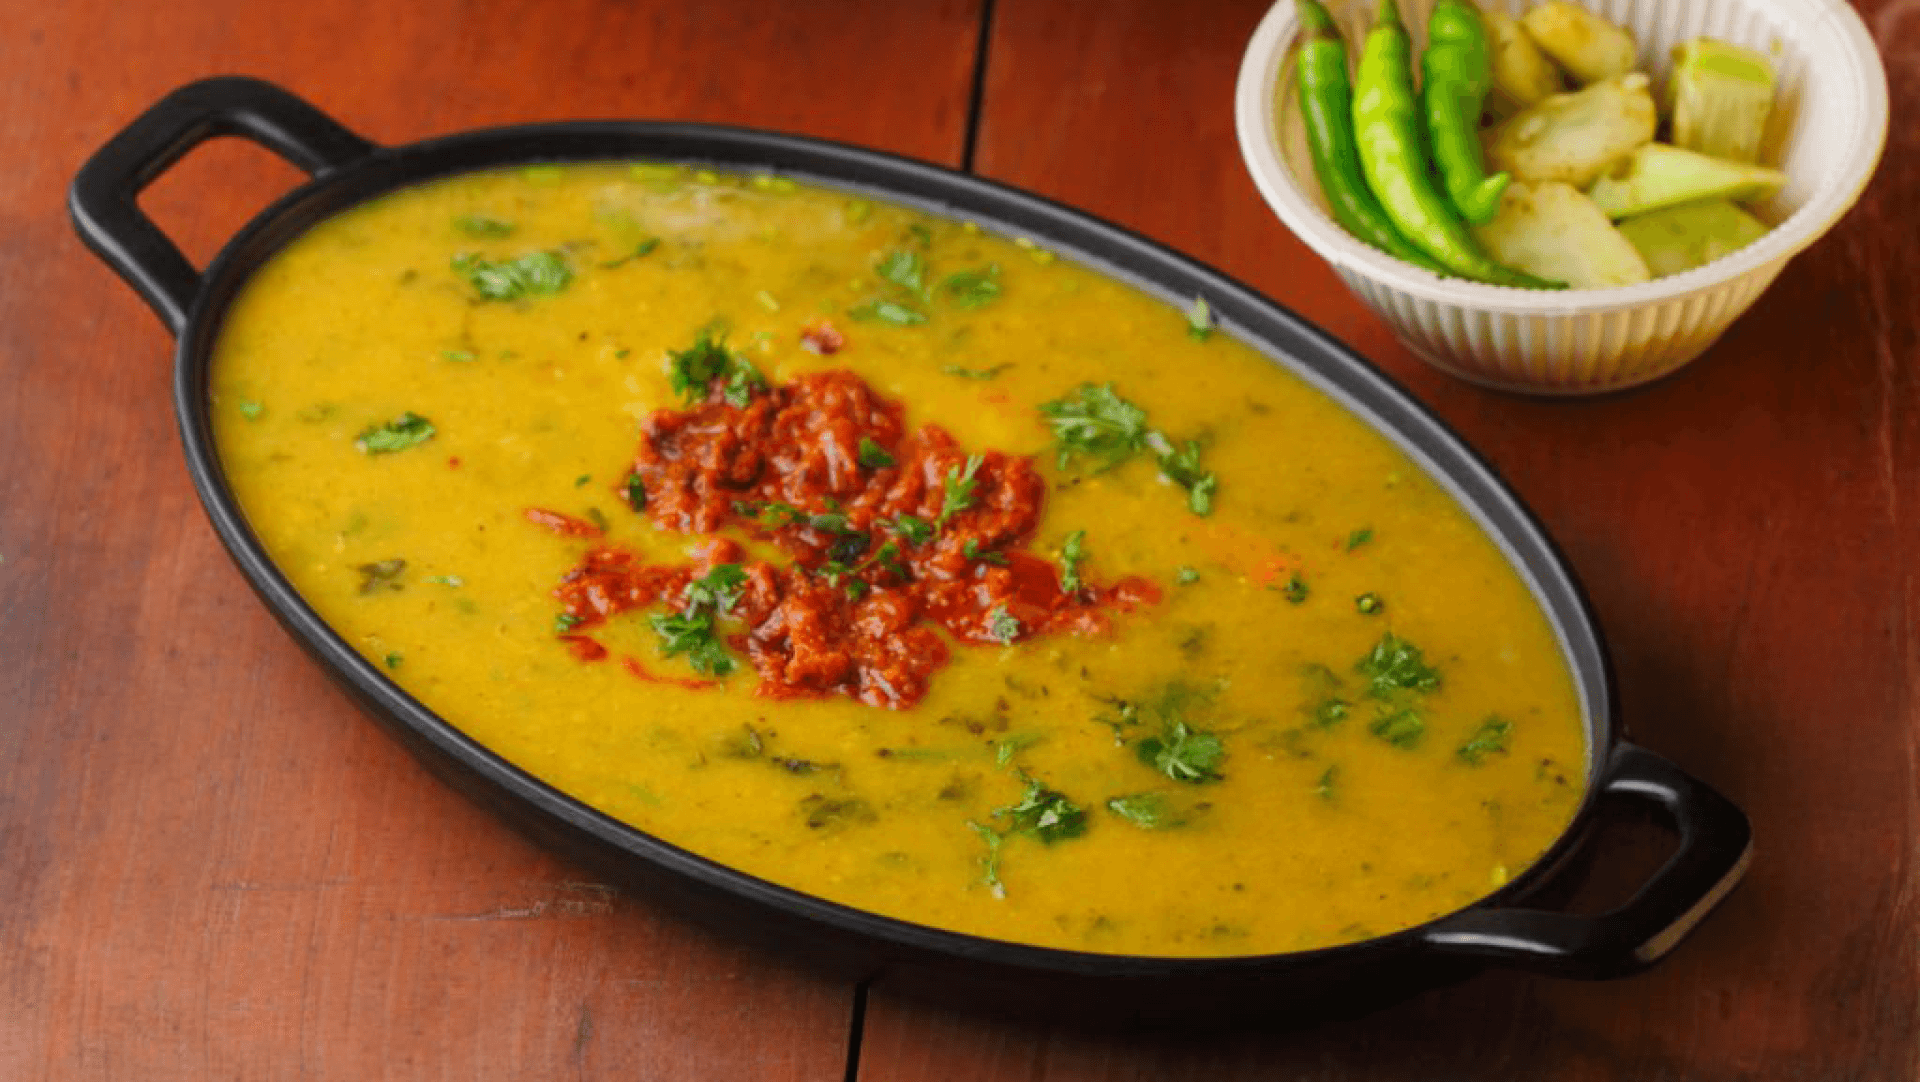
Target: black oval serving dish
{"x": 1508, "y": 928}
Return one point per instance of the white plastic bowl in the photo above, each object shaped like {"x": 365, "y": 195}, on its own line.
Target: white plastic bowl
{"x": 1828, "y": 128}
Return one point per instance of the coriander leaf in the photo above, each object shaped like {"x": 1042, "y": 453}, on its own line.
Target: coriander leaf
{"x": 872, "y": 455}
{"x": 1183, "y": 753}
{"x": 1097, "y": 423}
{"x": 904, "y": 269}
{"x": 958, "y": 490}
{"x": 972, "y": 288}
{"x": 531, "y": 275}
{"x": 1393, "y": 665}
{"x": 1002, "y": 627}
{"x": 1491, "y": 738}
{"x": 1156, "y": 811}
{"x": 252, "y": 410}
{"x": 922, "y": 234}
{"x": 990, "y": 864}
{"x": 383, "y": 574}
{"x": 1071, "y": 553}
{"x": 566, "y": 622}
{"x": 1046, "y": 814}
{"x": 1359, "y": 537}
{"x": 1182, "y": 467}
{"x": 825, "y": 811}
{"x": 915, "y": 531}
{"x": 636, "y": 492}
{"x": 459, "y": 356}
{"x": 1186, "y": 576}
{"x": 1331, "y": 712}
{"x": 693, "y": 635}
{"x": 479, "y": 225}
{"x": 641, "y": 251}
{"x": 691, "y": 371}
{"x": 407, "y": 430}
{"x": 1295, "y": 591}
{"x": 887, "y": 312}
{"x": 1402, "y": 728}
{"x": 394, "y": 660}
{"x": 1369, "y": 604}
{"x": 1324, "y": 790}
{"x": 975, "y": 373}
{"x": 971, "y": 550}
{"x": 1199, "y": 320}
{"x": 717, "y": 590}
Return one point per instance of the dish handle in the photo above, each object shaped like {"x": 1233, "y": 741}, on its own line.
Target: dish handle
{"x": 1716, "y": 845}
{"x": 103, "y": 197}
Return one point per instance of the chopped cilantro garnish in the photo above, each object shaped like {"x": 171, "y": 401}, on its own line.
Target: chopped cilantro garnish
{"x": 1369, "y": 604}
{"x": 1491, "y": 738}
{"x": 1072, "y": 551}
{"x": 971, "y": 550}
{"x": 1295, "y": 590}
{"x": 458, "y": 356}
{"x": 904, "y": 269}
{"x": 693, "y": 634}
{"x": 531, "y": 275}
{"x": 1324, "y": 790}
{"x": 252, "y": 410}
{"x": 872, "y": 455}
{"x": 1156, "y": 811}
{"x": 691, "y": 371}
{"x": 1097, "y": 423}
{"x": 382, "y": 574}
{"x": 1182, "y": 467}
{"x": 922, "y": 234}
{"x": 1183, "y": 753}
{"x": 1045, "y": 813}
{"x": 1359, "y": 537}
{"x": 407, "y": 430}
{"x": 972, "y": 288}
{"x": 566, "y": 622}
{"x": 1199, "y": 320}
{"x": 641, "y": 251}
{"x": 1331, "y": 712}
{"x": 447, "y": 580}
{"x": 718, "y": 589}
{"x": 1002, "y": 626}
{"x": 479, "y": 225}
{"x": 958, "y": 490}
{"x": 1186, "y": 576}
{"x": 975, "y": 373}
{"x": 636, "y": 492}
{"x": 581, "y": 481}
{"x": 887, "y": 312}
{"x": 915, "y": 531}
{"x": 1402, "y": 728}
{"x": 990, "y": 864}
{"x": 394, "y": 660}
{"x": 1394, "y": 665}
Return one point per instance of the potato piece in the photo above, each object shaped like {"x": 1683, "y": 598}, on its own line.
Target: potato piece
{"x": 1551, "y": 230}
{"x": 1657, "y": 175}
{"x": 1589, "y": 47}
{"x": 1691, "y": 235}
{"x": 1575, "y": 137}
{"x": 1719, "y": 98}
{"x": 1522, "y": 74}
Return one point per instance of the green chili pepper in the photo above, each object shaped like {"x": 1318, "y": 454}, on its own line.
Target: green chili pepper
{"x": 1386, "y": 122}
{"x": 1326, "y": 105}
{"x": 1456, "y": 73}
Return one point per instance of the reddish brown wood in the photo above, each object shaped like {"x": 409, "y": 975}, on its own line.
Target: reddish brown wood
{"x": 1747, "y": 531}
{"x": 214, "y": 866}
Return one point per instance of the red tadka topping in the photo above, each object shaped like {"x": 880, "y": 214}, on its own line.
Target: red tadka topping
{"x": 892, "y": 534}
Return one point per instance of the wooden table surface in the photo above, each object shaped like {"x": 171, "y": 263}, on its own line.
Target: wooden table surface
{"x": 212, "y": 866}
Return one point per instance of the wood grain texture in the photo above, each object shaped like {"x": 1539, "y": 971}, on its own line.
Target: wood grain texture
{"x": 214, "y": 866}
{"x": 1746, "y": 530}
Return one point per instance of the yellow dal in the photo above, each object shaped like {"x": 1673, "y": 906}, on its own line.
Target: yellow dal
{"x": 539, "y": 400}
